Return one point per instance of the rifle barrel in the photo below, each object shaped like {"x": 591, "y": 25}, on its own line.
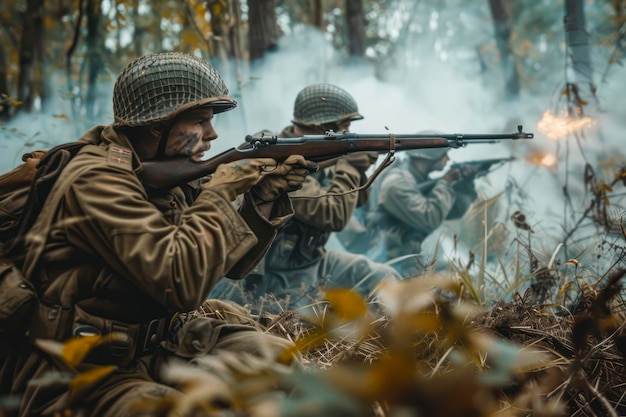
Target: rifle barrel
{"x": 173, "y": 171}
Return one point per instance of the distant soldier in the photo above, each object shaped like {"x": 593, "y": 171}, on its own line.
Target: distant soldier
{"x": 404, "y": 211}
{"x": 297, "y": 265}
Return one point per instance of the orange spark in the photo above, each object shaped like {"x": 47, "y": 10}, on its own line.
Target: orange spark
{"x": 542, "y": 159}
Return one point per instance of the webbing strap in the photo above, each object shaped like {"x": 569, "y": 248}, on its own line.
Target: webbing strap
{"x": 45, "y": 218}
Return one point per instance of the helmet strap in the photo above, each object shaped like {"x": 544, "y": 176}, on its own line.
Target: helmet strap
{"x": 165, "y": 133}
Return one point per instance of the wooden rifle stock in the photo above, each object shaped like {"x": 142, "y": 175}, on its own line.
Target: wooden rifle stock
{"x": 168, "y": 173}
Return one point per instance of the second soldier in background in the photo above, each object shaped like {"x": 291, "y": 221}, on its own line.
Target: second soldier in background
{"x": 297, "y": 266}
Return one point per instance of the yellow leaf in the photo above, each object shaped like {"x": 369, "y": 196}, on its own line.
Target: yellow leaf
{"x": 48, "y": 23}
{"x": 189, "y": 38}
{"x": 347, "y": 304}
{"x": 17, "y": 103}
{"x": 76, "y": 349}
{"x": 201, "y": 9}
{"x": 426, "y": 323}
{"x": 60, "y": 116}
{"x": 87, "y": 379}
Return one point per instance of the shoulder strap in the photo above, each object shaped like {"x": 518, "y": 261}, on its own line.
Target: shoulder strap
{"x": 49, "y": 169}
{"x": 46, "y": 216}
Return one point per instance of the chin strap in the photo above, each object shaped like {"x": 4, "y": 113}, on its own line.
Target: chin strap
{"x": 165, "y": 133}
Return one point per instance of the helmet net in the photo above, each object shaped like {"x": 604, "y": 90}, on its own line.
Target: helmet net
{"x": 320, "y": 104}
{"x": 157, "y": 87}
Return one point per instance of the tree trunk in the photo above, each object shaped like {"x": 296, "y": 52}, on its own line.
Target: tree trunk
{"x": 139, "y": 30}
{"x": 577, "y": 40}
{"x": 94, "y": 54}
{"x": 579, "y": 76}
{"x": 30, "y": 53}
{"x": 502, "y": 23}
{"x": 356, "y": 27}
{"x": 234, "y": 32}
{"x": 263, "y": 29}
{"x": 318, "y": 14}
{"x": 220, "y": 22}
{"x": 4, "y": 77}
{"x": 5, "y": 105}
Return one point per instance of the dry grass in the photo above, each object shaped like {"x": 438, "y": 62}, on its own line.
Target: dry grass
{"x": 576, "y": 376}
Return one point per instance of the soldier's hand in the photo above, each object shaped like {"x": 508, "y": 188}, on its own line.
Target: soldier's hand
{"x": 239, "y": 177}
{"x": 287, "y": 176}
{"x": 362, "y": 160}
{"x": 459, "y": 173}
{"x": 468, "y": 171}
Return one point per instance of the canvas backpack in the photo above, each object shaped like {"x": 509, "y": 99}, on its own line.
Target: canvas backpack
{"x": 23, "y": 191}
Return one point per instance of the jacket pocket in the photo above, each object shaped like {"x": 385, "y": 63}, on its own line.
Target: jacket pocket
{"x": 17, "y": 300}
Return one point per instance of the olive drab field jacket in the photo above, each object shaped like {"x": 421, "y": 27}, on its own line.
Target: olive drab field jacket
{"x": 115, "y": 254}
{"x": 405, "y": 216}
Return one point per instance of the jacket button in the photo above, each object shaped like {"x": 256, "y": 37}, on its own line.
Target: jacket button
{"x": 53, "y": 314}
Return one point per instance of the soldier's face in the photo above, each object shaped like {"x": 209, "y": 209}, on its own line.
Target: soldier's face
{"x": 336, "y": 127}
{"x": 191, "y": 134}
{"x": 344, "y": 127}
{"x": 439, "y": 165}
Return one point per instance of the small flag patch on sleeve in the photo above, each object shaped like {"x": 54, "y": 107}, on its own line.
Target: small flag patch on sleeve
{"x": 120, "y": 157}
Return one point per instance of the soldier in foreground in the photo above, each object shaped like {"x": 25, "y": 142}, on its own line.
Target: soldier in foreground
{"x": 123, "y": 259}
{"x": 402, "y": 212}
{"x": 297, "y": 265}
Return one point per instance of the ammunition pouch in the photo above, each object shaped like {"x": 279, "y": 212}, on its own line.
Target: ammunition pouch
{"x": 296, "y": 245}
{"x": 17, "y": 300}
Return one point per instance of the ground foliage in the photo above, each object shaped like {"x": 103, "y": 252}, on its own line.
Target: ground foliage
{"x": 425, "y": 348}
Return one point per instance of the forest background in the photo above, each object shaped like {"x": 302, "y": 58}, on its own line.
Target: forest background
{"x": 553, "y": 66}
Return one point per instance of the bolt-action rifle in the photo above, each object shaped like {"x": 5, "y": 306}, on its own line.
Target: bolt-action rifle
{"x": 170, "y": 172}
{"x": 483, "y": 167}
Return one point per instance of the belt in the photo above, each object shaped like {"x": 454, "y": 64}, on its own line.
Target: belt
{"x": 137, "y": 340}
{"x": 131, "y": 341}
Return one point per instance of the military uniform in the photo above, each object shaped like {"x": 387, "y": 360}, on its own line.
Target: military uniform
{"x": 117, "y": 258}
{"x": 403, "y": 216}
{"x": 297, "y": 266}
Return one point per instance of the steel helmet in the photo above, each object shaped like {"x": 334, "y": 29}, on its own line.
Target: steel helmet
{"x": 157, "y": 87}
{"x": 431, "y": 154}
{"x": 321, "y": 104}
